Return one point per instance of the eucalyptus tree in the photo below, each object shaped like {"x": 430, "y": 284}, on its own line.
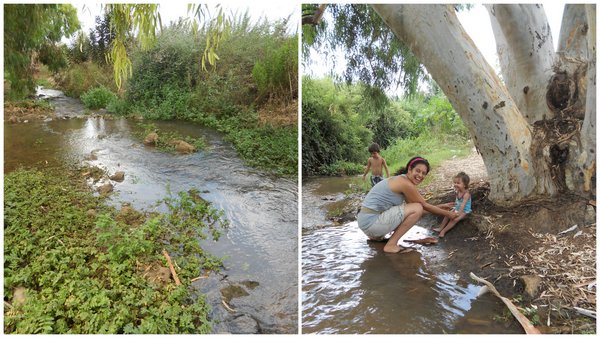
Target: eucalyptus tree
{"x": 535, "y": 125}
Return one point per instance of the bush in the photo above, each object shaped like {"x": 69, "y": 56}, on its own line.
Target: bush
{"x": 81, "y": 77}
{"x": 342, "y": 168}
{"x": 98, "y": 97}
{"x": 277, "y": 74}
{"x": 332, "y": 128}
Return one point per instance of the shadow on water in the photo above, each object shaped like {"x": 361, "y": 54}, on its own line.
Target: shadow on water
{"x": 349, "y": 285}
{"x": 260, "y": 245}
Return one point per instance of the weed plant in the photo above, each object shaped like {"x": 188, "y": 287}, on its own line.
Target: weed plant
{"x": 98, "y": 97}
{"x": 85, "y": 270}
{"x": 166, "y": 139}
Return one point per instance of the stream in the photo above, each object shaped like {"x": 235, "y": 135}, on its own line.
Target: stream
{"x": 261, "y": 242}
{"x": 351, "y": 286}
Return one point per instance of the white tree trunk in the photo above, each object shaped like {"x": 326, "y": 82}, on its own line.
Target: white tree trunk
{"x": 526, "y": 53}
{"x": 501, "y": 133}
{"x": 578, "y": 41}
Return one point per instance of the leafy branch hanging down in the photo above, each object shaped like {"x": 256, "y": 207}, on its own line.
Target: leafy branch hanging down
{"x": 143, "y": 20}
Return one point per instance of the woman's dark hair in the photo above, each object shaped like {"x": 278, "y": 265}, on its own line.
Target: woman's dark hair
{"x": 464, "y": 178}
{"x": 412, "y": 163}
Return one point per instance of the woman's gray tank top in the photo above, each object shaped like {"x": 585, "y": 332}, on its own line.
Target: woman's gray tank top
{"x": 381, "y": 198}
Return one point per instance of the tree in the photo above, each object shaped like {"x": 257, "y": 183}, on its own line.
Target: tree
{"x": 30, "y": 29}
{"x": 535, "y": 129}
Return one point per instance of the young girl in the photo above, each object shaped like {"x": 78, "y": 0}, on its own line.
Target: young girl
{"x": 462, "y": 204}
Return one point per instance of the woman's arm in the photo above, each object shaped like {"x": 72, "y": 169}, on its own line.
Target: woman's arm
{"x": 411, "y": 194}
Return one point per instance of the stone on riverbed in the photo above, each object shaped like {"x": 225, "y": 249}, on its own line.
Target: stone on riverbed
{"x": 151, "y": 139}
{"x": 119, "y": 176}
{"x": 105, "y": 189}
{"x": 184, "y": 147}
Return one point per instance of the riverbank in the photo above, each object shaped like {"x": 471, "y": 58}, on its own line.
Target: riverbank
{"x": 550, "y": 274}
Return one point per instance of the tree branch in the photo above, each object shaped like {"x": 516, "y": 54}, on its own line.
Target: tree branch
{"x": 315, "y": 18}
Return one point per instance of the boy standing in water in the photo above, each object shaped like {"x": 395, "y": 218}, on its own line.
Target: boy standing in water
{"x": 376, "y": 163}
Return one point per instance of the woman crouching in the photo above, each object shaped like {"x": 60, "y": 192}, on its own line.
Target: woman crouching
{"x": 394, "y": 204}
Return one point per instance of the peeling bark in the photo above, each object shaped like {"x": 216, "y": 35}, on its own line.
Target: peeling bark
{"x": 526, "y": 53}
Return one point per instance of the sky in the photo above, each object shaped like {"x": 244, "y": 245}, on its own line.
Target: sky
{"x": 476, "y": 22}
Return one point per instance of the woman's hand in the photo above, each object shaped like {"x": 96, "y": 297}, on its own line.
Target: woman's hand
{"x": 452, "y": 214}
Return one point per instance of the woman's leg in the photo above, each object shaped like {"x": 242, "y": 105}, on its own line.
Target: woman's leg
{"x": 412, "y": 213}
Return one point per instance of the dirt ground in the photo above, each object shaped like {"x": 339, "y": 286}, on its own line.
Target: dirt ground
{"x": 549, "y": 274}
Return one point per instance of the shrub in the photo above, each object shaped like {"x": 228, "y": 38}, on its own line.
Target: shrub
{"x": 98, "y": 97}
{"x": 81, "y": 77}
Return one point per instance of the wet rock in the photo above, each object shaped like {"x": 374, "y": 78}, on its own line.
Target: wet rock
{"x": 19, "y": 296}
{"x": 151, "y": 139}
{"x": 233, "y": 291}
{"x": 105, "y": 189}
{"x": 119, "y": 176}
{"x": 92, "y": 156}
{"x": 532, "y": 284}
{"x": 129, "y": 215}
{"x": 102, "y": 136}
{"x": 184, "y": 147}
{"x": 244, "y": 324}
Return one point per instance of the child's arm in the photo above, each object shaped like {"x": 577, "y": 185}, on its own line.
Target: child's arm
{"x": 466, "y": 197}
{"x": 367, "y": 170}
{"x": 385, "y": 167}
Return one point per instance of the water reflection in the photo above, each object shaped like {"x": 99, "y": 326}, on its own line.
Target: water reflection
{"x": 349, "y": 286}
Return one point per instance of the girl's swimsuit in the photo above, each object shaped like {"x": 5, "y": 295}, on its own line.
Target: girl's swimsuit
{"x": 459, "y": 202}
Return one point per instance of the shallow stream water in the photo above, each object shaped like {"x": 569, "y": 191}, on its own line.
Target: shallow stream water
{"x": 261, "y": 243}
{"x": 351, "y": 286}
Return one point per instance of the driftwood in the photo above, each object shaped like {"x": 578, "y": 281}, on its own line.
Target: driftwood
{"x": 585, "y": 312}
{"x": 171, "y": 267}
{"x": 426, "y": 240}
{"x": 525, "y": 323}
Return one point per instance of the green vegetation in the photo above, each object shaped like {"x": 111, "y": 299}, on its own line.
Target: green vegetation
{"x": 167, "y": 140}
{"x": 339, "y": 122}
{"x": 74, "y": 265}
{"x": 31, "y": 29}
{"x": 257, "y": 66}
{"x": 98, "y": 97}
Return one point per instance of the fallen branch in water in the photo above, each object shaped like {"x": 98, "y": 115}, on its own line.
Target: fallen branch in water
{"x": 171, "y": 267}
{"x": 525, "y": 323}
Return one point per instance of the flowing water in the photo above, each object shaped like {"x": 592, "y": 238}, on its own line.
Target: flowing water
{"x": 350, "y": 285}
{"x": 261, "y": 243}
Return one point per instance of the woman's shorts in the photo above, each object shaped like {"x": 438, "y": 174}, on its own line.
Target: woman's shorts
{"x": 386, "y": 222}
